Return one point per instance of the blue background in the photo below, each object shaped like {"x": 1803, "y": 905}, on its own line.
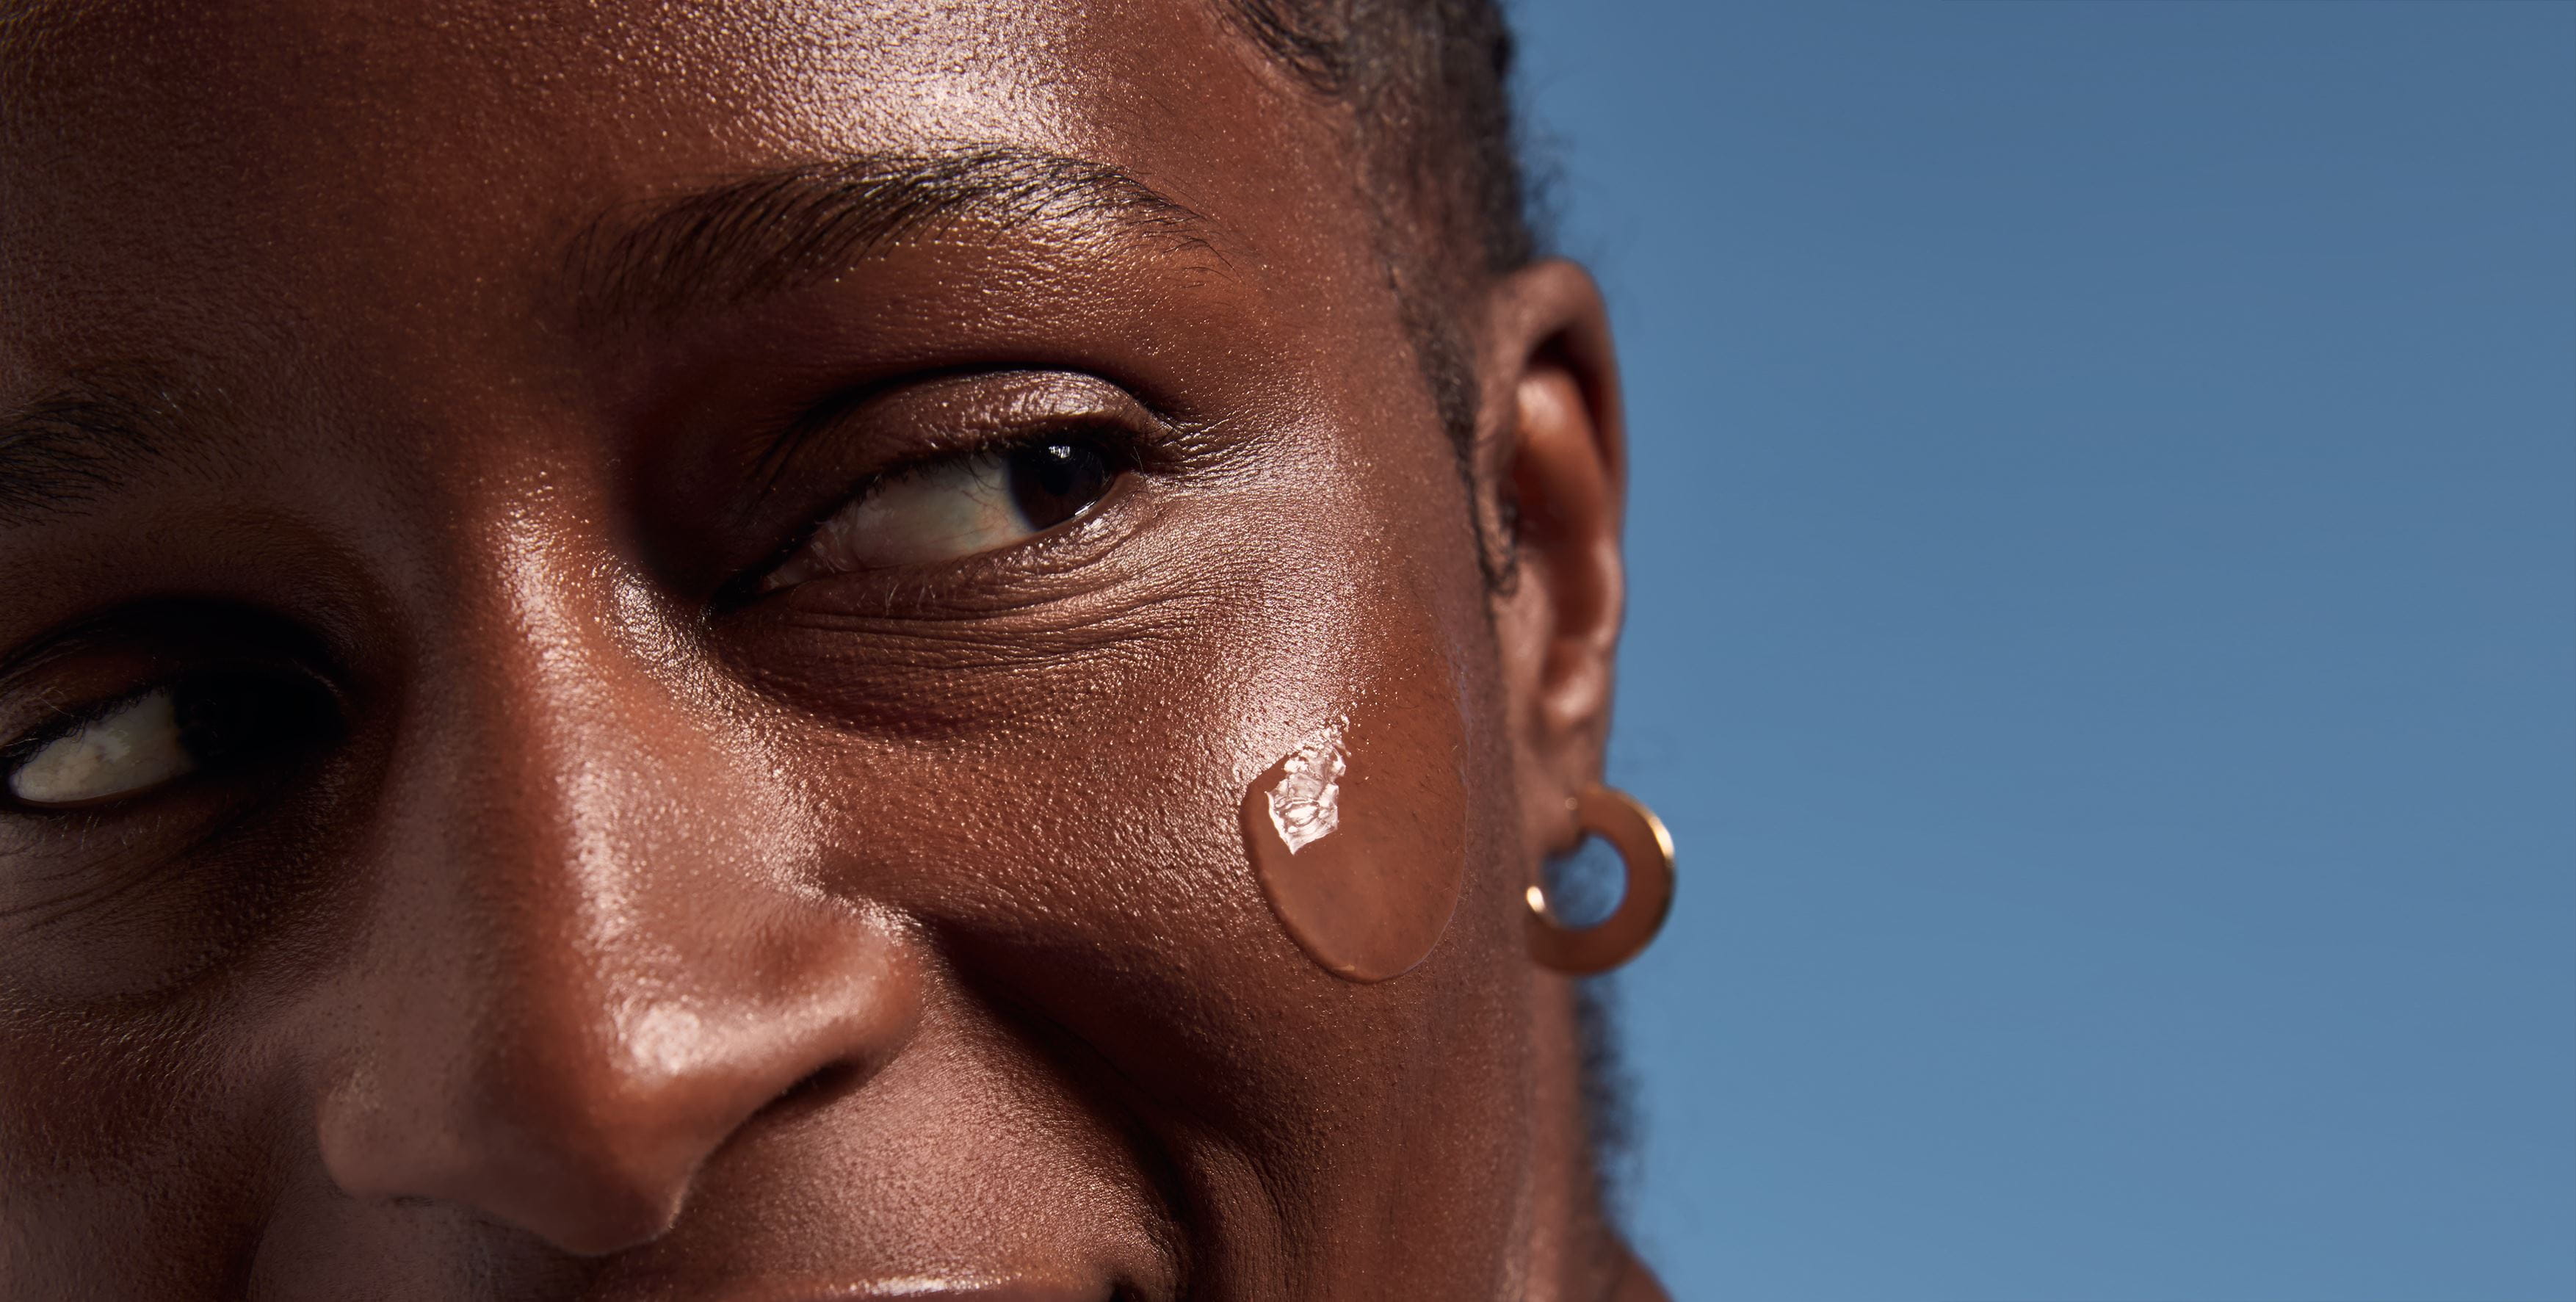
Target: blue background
{"x": 2104, "y": 634}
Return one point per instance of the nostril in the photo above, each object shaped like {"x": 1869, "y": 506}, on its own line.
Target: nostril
{"x": 577, "y": 1088}
{"x": 817, "y": 1088}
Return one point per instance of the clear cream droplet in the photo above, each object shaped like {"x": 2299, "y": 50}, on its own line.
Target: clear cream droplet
{"x": 1358, "y": 837}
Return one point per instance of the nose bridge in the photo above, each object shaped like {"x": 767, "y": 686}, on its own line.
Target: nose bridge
{"x": 590, "y": 958}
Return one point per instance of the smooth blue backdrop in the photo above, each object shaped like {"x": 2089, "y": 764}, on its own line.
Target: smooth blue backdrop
{"x": 2104, "y": 634}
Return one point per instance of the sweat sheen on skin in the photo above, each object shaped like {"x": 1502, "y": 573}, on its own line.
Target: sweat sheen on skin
{"x": 885, "y": 935}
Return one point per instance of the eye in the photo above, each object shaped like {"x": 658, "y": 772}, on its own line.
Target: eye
{"x": 156, "y": 737}
{"x": 954, "y": 508}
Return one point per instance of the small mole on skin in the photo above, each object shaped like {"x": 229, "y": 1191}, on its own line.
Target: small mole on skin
{"x": 1358, "y": 839}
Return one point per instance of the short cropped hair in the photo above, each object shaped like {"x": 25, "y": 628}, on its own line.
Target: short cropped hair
{"x": 1429, "y": 82}
{"x": 1428, "y": 85}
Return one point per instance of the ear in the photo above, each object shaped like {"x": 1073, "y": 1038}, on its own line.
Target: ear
{"x": 1552, "y": 489}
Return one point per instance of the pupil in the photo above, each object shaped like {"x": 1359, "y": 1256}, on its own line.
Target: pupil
{"x": 230, "y": 720}
{"x": 1052, "y": 482}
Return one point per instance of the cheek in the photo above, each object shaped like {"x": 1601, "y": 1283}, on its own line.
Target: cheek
{"x": 126, "y": 1170}
{"x": 1358, "y": 836}
{"x": 1099, "y": 841}
{"x": 1269, "y": 761}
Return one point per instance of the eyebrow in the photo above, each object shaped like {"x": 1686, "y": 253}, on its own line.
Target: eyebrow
{"x": 65, "y": 451}
{"x": 738, "y": 241}
{"x": 62, "y": 452}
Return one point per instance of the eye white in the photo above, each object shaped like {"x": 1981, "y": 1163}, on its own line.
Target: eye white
{"x": 940, "y": 512}
{"x": 136, "y": 747}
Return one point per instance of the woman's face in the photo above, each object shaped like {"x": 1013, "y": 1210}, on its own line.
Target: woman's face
{"x": 644, "y": 652}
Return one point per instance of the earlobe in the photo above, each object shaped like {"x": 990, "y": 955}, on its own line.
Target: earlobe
{"x": 1556, "y": 483}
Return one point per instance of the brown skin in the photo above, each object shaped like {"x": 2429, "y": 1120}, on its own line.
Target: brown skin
{"x": 633, "y": 933}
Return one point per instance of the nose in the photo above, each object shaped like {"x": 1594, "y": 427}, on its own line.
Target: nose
{"x": 591, "y": 952}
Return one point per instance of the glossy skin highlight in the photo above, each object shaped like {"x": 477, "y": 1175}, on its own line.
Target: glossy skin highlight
{"x": 1358, "y": 836}
{"x": 617, "y": 923}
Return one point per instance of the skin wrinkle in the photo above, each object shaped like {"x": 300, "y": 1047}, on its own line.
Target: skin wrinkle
{"x": 627, "y": 943}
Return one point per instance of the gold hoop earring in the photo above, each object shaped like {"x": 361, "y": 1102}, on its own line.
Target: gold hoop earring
{"x": 1647, "y": 850}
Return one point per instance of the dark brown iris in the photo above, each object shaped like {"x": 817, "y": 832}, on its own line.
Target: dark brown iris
{"x": 1054, "y": 480}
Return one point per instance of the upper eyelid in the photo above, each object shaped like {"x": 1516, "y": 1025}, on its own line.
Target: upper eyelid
{"x": 51, "y": 720}
{"x": 809, "y": 430}
{"x": 1146, "y": 438}
{"x": 60, "y": 721}
{"x": 157, "y": 638}
{"x": 161, "y": 646}
{"x": 744, "y": 587}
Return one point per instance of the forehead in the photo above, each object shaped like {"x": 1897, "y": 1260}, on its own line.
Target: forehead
{"x": 424, "y": 152}
{"x": 650, "y": 75}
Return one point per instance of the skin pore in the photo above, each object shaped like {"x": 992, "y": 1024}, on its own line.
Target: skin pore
{"x": 637, "y": 634}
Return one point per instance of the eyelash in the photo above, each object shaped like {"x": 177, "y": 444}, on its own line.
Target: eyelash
{"x": 1126, "y": 451}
